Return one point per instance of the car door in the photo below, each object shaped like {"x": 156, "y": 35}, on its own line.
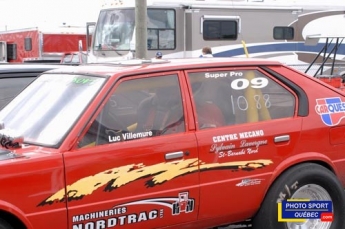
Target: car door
{"x": 135, "y": 166}
{"x": 246, "y": 123}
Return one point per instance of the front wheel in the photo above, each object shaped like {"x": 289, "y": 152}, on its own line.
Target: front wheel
{"x": 304, "y": 181}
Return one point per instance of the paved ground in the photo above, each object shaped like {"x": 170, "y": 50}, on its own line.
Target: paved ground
{"x": 236, "y": 227}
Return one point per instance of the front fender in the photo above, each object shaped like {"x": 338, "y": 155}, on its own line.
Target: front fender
{"x": 15, "y": 211}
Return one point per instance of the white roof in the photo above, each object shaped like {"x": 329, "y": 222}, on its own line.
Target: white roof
{"x": 307, "y": 4}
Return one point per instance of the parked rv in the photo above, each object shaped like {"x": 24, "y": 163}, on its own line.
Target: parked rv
{"x": 282, "y": 30}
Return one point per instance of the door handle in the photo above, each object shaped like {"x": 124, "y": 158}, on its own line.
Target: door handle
{"x": 173, "y": 155}
{"x": 283, "y": 138}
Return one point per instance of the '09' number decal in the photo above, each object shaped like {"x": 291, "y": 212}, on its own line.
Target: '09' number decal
{"x": 241, "y": 84}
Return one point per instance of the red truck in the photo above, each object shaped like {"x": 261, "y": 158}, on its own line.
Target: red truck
{"x": 36, "y": 45}
{"x": 184, "y": 143}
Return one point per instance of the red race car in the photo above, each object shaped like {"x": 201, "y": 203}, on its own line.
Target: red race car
{"x": 184, "y": 143}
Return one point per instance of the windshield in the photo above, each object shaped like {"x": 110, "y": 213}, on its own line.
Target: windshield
{"x": 116, "y": 30}
{"x": 46, "y": 110}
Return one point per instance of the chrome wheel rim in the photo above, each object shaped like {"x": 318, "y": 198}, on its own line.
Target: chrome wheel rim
{"x": 311, "y": 192}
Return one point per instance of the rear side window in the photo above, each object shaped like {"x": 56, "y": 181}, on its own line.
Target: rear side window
{"x": 232, "y": 97}
{"x": 10, "y": 87}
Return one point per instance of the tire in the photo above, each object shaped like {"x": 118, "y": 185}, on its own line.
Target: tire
{"x": 310, "y": 178}
{"x": 5, "y": 225}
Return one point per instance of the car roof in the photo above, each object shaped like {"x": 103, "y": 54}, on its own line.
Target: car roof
{"x": 27, "y": 67}
{"x": 11, "y": 70}
{"x": 125, "y": 67}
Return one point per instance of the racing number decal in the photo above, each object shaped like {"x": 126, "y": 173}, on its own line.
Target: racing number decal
{"x": 242, "y": 83}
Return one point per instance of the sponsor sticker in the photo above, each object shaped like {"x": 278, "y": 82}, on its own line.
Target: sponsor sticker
{"x": 295, "y": 210}
{"x": 249, "y": 182}
{"x": 331, "y": 110}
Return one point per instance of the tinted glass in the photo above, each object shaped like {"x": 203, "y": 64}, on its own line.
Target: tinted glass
{"x": 10, "y": 87}
{"x": 220, "y": 30}
{"x": 139, "y": 108}
{"x": 161, "y": 29}
{"x": 239, "y": 96}
{"x": 283, "y": 33}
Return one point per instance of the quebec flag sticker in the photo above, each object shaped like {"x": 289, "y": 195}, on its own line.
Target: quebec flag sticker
{"x": 331, "y": 110}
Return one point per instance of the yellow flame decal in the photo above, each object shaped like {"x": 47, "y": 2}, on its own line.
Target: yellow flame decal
{"x": 158, "y": 174}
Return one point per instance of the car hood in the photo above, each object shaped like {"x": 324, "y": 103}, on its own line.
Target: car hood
{"x": 26, "y": 153}
{"x": 6, "y": 154}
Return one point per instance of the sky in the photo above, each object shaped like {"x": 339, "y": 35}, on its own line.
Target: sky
{"x": 19, "y": 14}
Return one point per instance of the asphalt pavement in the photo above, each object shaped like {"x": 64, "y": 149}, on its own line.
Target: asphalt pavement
{"x": 236, "y": 226}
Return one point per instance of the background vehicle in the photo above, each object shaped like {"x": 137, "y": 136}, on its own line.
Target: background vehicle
{"x": 74, "y": 58}
{"x": 184, "y": 143}
{"x": 15, "y": 77}
{"x": 267, "y": 29}
{"x": 40, "y": 45}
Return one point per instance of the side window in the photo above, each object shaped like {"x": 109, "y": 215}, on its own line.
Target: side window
{"x": 238, "y": 96}
{"x": 220, "y": 27}
{"x": 67, "y": 59}
{"x": 139, "y": 108}
{"x": 283, "y": 33}
{"x": 161, "y": 30}
{"x": 11, "y": 87}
